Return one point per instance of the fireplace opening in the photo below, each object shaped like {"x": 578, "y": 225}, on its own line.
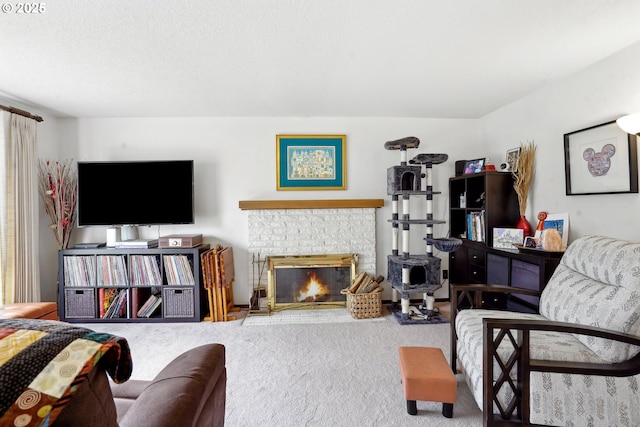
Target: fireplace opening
{"x": 309, "y": 281}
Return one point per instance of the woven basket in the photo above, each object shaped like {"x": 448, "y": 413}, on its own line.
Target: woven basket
{"x": 364, "y": 306}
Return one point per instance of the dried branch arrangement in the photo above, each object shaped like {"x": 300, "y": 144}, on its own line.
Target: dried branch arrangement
{"x": 57, "y": 182}
{"x": 524, "y": 175}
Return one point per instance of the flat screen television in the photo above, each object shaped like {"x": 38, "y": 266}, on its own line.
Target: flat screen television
{"x": 135, "y": 193}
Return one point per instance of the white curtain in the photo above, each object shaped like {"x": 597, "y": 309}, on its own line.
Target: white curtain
{"x": 20, "y": 279}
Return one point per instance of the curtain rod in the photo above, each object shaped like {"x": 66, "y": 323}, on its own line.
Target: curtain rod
{"x": 21, "y": 113}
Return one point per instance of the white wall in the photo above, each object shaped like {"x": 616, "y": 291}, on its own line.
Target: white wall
{"x": 598, "y": 94}
{"x": 235, "y": 160}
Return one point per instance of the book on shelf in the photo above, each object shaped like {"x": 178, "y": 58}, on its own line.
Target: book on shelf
{"x": 154, "y": 307}
{"x": 145, "y": 306}
{"x": 107, "y": 296}
{"x": 476, "y": 226}
{"x": 113, "y": 303}
{"x": 150, "y": 306}
{"x": 144, "y": 270}
{"x": 179, "y": 270}
{"x": 79, "y": 270}
{"x": 112, "y": 270}
{"x": 135, "y": 301}
{"x": 137, "y": 244}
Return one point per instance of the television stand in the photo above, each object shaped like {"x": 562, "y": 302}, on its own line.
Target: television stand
{"x": 131, "y": 285}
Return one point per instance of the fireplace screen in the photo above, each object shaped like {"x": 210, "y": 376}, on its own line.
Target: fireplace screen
{"x": 309, "y": 281}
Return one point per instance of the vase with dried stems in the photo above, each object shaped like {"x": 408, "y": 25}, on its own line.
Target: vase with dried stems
{"x": 57, "y": 182}
{"x": 523, "y": 176}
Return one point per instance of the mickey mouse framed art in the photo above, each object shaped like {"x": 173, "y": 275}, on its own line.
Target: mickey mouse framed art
{"x": 601, "y": 159}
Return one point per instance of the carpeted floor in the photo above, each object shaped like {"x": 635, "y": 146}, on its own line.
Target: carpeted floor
{"x": 336, "y": 374}
{"x": 305, "y": 317}
{"x": 416, "y": 316}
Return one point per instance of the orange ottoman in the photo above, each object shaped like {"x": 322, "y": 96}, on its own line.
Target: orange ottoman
{"x": 30, "y": 310}
{"x": 426, "y": 375}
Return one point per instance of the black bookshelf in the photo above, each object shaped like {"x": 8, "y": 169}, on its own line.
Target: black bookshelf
{"x": 491, "y": 195}
{"x": 113, "y": 285}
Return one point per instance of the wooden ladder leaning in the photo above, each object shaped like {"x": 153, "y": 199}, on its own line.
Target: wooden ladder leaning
{"x": 218, "y": 274}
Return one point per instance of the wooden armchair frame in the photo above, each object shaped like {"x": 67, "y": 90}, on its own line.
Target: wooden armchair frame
{"x": 517, "y": 411}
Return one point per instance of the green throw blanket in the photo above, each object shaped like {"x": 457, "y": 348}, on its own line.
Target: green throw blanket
{"x": 43, "y": 363}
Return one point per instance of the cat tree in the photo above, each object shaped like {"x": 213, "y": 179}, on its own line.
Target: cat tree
{"x": 414, "y": 273}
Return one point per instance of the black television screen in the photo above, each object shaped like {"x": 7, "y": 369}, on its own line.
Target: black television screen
{"x": 135, "y": 193}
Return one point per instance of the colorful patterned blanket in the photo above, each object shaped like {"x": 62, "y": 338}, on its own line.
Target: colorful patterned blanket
{"x": 43, "y": 363}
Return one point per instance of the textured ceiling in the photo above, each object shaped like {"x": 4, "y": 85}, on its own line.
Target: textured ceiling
{"x": 367, "y": 58}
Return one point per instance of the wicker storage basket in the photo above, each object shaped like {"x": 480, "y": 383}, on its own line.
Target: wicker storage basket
{"x": 365, "y": 306}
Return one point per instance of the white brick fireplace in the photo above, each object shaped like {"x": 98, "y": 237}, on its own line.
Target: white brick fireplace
{"x": 312, "y": 227}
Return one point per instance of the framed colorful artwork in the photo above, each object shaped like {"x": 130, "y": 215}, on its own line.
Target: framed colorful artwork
{"x": 559, "y": 222}
{"x": 473, "y": 166}
{"x": 507, "y": 238}
{"x": 311, "y": 162}
{"x": 602, "y": 159}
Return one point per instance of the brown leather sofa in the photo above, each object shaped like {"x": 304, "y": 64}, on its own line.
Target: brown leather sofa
{"x": 29, "y": 310}
{"x": 189, "y": 391}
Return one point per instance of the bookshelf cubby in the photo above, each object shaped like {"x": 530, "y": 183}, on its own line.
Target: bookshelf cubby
{"x": 130, "y": 285}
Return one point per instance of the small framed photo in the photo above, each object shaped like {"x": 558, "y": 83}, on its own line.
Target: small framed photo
{"x": 531, "y": 242}
{"x": 507, "y": 238}
{"x": 311, "y": 162}
{"x": 601, "y": 159}
{"x": 559, "y": 222}
{"x": 512, "y": 159}
{"x": 473, "y": 166}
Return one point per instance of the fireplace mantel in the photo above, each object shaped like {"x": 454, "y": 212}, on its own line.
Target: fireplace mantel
{"x": 310, "y": 204}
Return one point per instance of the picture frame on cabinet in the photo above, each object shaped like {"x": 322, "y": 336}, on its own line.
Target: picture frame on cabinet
{"x": 473, "y": 166}
{"x": 512, "y": 159}
{"x": 560, "y": 222}
{"x": 507, "y": 238}
{"x": 601, "y": 159}
{"x": 311, "y": 162}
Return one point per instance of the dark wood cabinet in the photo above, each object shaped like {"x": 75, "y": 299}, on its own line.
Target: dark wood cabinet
{"x": 458, "y": 266}
{"x": 507, "y": 267}
{"x": 476, "y": 267}
{"x": 486, "y": 195}
{"x": 491, "y": 196}
{"x": 131, "y": 285}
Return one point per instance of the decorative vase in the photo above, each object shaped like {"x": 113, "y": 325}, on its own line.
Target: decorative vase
{"x": 525, "y": 226}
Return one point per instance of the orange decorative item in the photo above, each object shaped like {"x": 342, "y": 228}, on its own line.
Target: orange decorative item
{"x": 541, "y": 217}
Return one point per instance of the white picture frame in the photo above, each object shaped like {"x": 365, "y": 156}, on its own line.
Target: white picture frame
{"x": 512, "y": 159}
{"x": 560, "y": 222}
{"x": 507, "y": 238}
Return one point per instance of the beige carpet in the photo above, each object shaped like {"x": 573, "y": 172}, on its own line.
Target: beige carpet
{"x": 337, "y": 374}
{"x": 306, "y": 317}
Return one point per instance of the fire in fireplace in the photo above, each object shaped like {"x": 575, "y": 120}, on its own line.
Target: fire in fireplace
{"x": 309, "y": 281}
